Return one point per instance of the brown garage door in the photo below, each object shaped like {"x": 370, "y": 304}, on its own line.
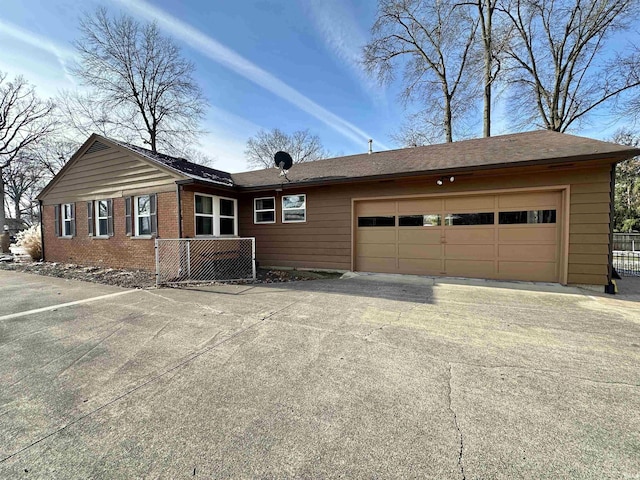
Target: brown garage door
{"x": 512, "y": 236}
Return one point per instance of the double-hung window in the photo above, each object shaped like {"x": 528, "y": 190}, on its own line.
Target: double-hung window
{"x": 215, "y": 216}
{"x": 65, "y": 220}
{"x": 264, "y": 210}
{"x": 142, "y": 209}
{"x": 100, "y": 218}
{"x": 141, "y": 216}
{"x": 294, "y": 208}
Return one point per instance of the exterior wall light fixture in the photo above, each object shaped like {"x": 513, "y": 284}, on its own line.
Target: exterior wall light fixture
{"x": 441, "y": 180}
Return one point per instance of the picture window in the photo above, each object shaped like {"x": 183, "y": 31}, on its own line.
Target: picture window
{"x": 294, "y": 208}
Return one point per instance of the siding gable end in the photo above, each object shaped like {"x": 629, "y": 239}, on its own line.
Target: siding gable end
{"x": 100, "y": 169}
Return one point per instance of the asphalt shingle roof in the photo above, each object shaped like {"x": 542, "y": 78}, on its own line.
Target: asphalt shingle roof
{"x": 184, "y": 166}
{"x": 542, "y": 146}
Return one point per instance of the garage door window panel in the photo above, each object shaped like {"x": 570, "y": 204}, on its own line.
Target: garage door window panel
{"x": 381, "y": 221}
{"x": 527, "y": 217}
{"x": 467, "y": 219}
{"x": 429, "y": 220}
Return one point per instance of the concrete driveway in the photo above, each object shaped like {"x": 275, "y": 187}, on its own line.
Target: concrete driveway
{"x": 366, "y": 377}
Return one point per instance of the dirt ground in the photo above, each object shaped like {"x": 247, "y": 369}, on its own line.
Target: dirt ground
{"x": 142, "y": 279}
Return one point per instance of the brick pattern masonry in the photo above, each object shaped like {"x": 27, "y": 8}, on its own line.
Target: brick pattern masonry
{"x": 119, "y": 251}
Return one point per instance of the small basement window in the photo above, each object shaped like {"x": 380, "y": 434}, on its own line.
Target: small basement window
{"x": 419, "y": 220}
{"x": 294, "y": 208}
{"x": 264, "y": 210}
{"x": 527, "y": 216}
{"x": 382, "y": 221}
{"x": 483, "y": 218}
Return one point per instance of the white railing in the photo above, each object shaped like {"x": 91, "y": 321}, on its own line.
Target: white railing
{"x": 629, "y": 242}
{"x": 189, "y": 260}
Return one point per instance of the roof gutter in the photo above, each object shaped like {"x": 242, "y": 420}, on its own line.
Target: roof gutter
{"x": 193, "y": 181}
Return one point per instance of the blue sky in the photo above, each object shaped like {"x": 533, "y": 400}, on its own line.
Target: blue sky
{"x": 290, "y": 64}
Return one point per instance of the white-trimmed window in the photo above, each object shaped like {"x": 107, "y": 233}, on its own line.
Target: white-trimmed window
{"x": 215, "y": 216}
{"x": 142, "y": 209}
{"x": 65, "y": 220}
{"x": 264, "y": 210}
{"x": 141, "y": 215}
{"x": 100, "y": 218}
{"x": 294, "y": 208}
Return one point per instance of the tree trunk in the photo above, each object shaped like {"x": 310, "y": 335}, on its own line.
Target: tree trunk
{"x": 17, "y": 209}
{"x": 448, "y": 130}
{"x": 2, "y": 200}
{"x": 487, "y": 33}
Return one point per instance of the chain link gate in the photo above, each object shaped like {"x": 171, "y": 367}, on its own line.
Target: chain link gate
{"x": 188, "y": 260}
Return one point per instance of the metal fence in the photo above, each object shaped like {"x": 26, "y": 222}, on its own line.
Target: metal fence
{"x": 188, "y": 260}
{"x": 627, "y": 264}
{"x": 626, "y": 241}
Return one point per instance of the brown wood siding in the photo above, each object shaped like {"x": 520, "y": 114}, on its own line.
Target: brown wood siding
{"x": 109, "y": 173}
{"x": 324, "y": 240}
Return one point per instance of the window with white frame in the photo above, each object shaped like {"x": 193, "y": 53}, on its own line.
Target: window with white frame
{"x": 142, "y": 208}
{"x": 227, "y": 216}
{"x": 215, "y": 216}
{"x": 294, "y": 208}
{"x": 67, "y": 219}
{"x": 102, "y": 217}
{"x": 264, "y": 210}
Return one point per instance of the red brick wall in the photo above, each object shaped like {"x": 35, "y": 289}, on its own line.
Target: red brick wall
{"x": 119, "y": 251}
{"x": 187, "y": 199}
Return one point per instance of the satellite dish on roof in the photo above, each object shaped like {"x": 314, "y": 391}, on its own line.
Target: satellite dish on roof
{"x": 283, "y": 161}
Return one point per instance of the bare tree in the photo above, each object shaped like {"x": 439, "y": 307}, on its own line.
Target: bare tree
{"x": 301, "y": 145}
{"x": 138, "y": 82}
{"x": 22, "y": 178}
{"x": 25, "y": 120}
{"x": 52, "y": 154}
{"x": 559, "y": 71}
{"x": 84, "y": 113}
{"x": 495, "y": 37}
{"x": 434, "y": 41}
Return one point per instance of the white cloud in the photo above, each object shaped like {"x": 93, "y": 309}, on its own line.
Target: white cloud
{"x": 342, "y": 34}
{"x": 235, "y": 62}
{"x": 226, "y": 139}
{"x": 63, "y": 54}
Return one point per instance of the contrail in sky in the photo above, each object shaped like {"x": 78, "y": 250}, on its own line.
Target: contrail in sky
{"x": 237, "y": 63}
